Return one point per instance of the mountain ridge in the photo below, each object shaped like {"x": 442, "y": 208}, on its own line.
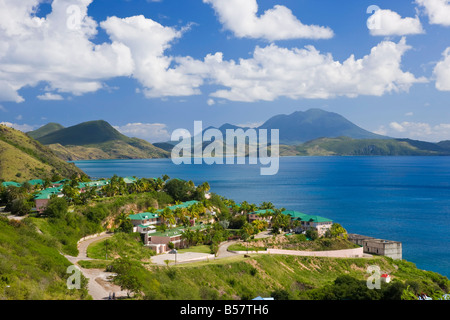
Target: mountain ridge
{"x": 303, "y": 126}
{"x": 22, "y": 158}
{"x": 95, "y": 140}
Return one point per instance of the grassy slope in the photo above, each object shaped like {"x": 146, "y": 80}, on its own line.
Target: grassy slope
{"x": 98, "y": 140}
{"x": 368, "y": 147}
{"x": 31, "y": 267}
{"x": 260, "y": 275}
{"x": 21, "y": 154}
{"x": 109, "y": 150}
{"x": 47, "y": 129}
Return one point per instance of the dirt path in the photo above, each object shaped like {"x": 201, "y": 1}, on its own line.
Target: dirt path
{"x": 100, "y": 287}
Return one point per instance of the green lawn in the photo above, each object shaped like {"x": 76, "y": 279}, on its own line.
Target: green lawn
{"x": 200, "y": 249}
{"x": 120, "y": 245}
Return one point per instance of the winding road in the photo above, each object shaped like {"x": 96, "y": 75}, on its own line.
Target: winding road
{"x": 100, "y": 287}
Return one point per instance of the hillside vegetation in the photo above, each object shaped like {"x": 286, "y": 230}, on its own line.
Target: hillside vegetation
{"x": 47, "y": 129}
{"x": 344, "y": 146}
{"x": 281, "y": 277}
{"x": 31, "y": 268}
{"x": 22, "y": 158}
{"x": 97, "y": 140}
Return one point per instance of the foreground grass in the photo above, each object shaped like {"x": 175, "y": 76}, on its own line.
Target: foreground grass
{"x": 31, "y": 268}
{"x": 303, "y": 278}
{"x": 120, "y": 245}
{"x": 199, "y": 249}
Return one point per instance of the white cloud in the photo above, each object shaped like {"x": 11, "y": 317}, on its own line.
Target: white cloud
{"x": 153, "y": 132}
{"x": 438, "y": 11}
{"x": 147, "y": 41}
{"x": 210, "y": 102}
{"x": 21, "y": 127}
{"x": 390, "y": 23}
{"x": 50, "y": 97}
{"x": 250, "y": 124}
{"x": 56, "y": 49}
{"x": 275, "y": 72}
{"x": 419, "y": 130}
{"x": 409, "y": 114}
{"x": 442, "y": 72}
{"x": 240, "y": 17}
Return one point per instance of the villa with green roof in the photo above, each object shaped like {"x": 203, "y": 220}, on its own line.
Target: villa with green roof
{"x": 159, "y": 241}
{"x": 264, "y": 215}
{"x": 43, "y": 197}
{"x": 307, "y": 221}
{"x": 145, "y": 222}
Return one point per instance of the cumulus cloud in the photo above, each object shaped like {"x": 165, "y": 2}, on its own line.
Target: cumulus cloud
{"x": 153, "y": 132}
{"x": 50, "y": 97}
{"x": 438, "y": 11}
{"x": 56, "y": 49}
{"x": 148, "y": 41}
{"x": 275, "y": 72}
{"x": 240, "y": 17}
{"x": 21, "y": 127}
{"x": 442, "y": 72}
{"x": 416, "y": 130}
{"x": 390, "y": 23}
{"x": 59, "y": 50}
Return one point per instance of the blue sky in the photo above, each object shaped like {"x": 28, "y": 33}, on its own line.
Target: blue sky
{"x": 150, "y": 67}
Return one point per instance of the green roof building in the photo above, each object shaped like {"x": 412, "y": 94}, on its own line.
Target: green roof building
{"x": 7, "y": 184}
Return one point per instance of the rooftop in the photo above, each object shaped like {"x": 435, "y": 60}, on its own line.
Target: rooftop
{"x": 178, "y": 231}
{"x": 143, "y": 216}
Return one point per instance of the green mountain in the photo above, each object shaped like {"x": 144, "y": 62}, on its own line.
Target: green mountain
{"x": 300, "y": 127}
{"x": 98, "y": 140}
{"x": 444, "y": 144}
{"x": 23, "y": 158}
{"x": 344, "y": 146}
{"x": 47, "y": 129}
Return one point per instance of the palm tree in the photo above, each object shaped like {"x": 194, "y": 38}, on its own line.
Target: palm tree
{"x": 167, "y": 216}
{"x": 193, "y": 212}
{"x": 179, "y": 214}
{"x": 267, "y": 205}
{"x": 188, "y": 235}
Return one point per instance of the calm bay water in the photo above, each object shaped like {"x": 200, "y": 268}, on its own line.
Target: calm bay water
{"x": 405, "y": 199}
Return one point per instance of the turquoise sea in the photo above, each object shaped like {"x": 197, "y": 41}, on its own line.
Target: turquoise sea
{"x": 405, "y": 199}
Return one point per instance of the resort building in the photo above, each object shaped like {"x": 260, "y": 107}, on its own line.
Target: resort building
{"x": 263, "y": 215}
{"x": 388, "y": 248}
{"x": 42, "y": 198}
{"x": 7, "y": 184}
{"x": 144, "y": 222}
{"x": 159, "y": 241}
{"x": 305, "y": 221}
{"x": 321, "y": 224}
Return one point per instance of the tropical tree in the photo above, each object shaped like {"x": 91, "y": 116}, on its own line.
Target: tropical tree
{"x": 167, "y": 216}
{"x": 70, "y": 192}
{"x": 188, "y": 236}
{"x": 280, "y": 221}
{"x": 56, "y": 208}
{"x": 266, "y": 206}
